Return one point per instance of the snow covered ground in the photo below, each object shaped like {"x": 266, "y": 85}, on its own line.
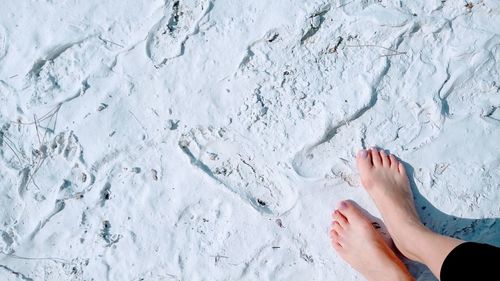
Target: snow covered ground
{"x": 210, "y": 139}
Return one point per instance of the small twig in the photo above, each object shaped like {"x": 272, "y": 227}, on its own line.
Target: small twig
{"x": 32, "y": 175}
{"x": 370, "y": 45}
{"x": 137, "y": 119}
{"x": 335, "y": 48}
{"x": 13, "y": 150}
{"x": 59, "y": 260}
{"x": 43, "y": 118}
{"x": 345, "y": 4}
{"x": 37, "y": 132}
{"x": 12, "y": 146}
{"x": 56, "y": 114}
{"x": 395, "y": 54}
{"x": 111, "y": 42}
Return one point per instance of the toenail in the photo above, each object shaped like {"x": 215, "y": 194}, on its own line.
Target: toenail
{"x": 362, "y": 153}
{"x": 343, "y": 205}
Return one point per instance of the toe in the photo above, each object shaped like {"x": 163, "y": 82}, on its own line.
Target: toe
{"x": 394, "y": 162}
{"x": 402, "y": 169}
{"x": 336, "y": 246}
{"x": 340, "y": 219}
{"x": 376, "y": 160}
{"x": 352, "y": 212}
{"x": 364, "y": 161}
{"x": 385, "y": 159}
{"x": 337, "y": 228}
{"x": 334, "y": 237}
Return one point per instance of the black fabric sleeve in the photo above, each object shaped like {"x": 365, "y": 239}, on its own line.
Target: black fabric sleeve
{"x": 472, "y": 261}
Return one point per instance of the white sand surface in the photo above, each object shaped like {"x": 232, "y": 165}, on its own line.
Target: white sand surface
{"x": 210, "y": 139}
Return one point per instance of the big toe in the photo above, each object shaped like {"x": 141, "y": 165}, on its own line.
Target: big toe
{"x": 364, "y": 161}
{"x": 353, "y": 213}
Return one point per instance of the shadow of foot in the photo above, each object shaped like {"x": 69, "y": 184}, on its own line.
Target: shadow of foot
{"x": 485, "y": 230}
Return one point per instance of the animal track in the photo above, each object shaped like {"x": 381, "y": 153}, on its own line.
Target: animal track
{"x": 229, "y": 160}
{"x": 166, "y": 38}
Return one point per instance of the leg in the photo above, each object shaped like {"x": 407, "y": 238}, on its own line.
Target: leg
{"x": 385, "y": 180}
{"x": 471, "y": 261}
{"x": 357, "y": 241}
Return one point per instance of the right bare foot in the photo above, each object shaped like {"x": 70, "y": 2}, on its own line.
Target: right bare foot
{"x": 358, "y": 242}
{"x": 385, "y": 180}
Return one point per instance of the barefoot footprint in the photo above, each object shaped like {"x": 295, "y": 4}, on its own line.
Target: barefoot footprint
{"x": 229, "y": 159}
{"x": 61, "y": 74}
{"x": 166, "y": 39}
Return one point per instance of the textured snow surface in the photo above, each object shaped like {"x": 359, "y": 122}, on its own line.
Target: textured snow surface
{"x": 211, "y": 139}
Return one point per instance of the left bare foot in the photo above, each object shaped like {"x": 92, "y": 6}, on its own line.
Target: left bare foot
{"x": 358, "y": 242}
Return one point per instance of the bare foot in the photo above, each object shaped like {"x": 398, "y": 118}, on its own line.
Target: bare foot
{"x": 358, "y": 242}
{"x": 385, "y": 180}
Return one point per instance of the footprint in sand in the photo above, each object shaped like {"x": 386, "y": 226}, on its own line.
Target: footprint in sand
{"x": 166, "y": 38}
{"x": 207, "y": 223}
{"x": 332, "y": 158}
{"x": 62, "y": 73}
{"x": 3, "y": 42}
{"x": 65, "y": 159}
{"x": 10, "y": 201}
{"x": 229, "y": 159}
{"x": 55, "y": 173}
{"x": 332, "y": 82}
{"x": 60, "y": 161}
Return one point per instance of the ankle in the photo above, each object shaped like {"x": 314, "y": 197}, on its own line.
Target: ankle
{"x": 412, "y": 239}
{"x": 399, "y": 273}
